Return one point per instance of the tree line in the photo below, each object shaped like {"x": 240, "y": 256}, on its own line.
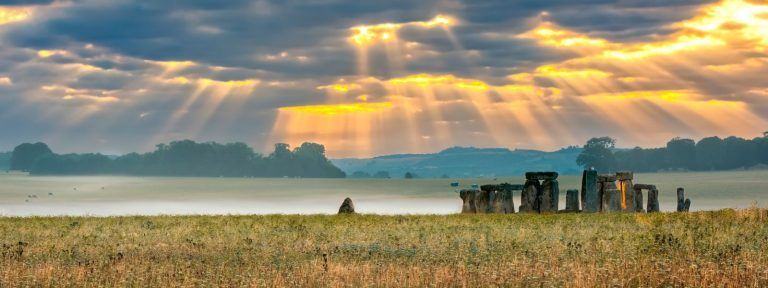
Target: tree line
{"x": 182, "y": 158}
{"x": 708, "y": 154}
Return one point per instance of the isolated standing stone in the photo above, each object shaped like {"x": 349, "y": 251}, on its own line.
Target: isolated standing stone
{"x": 572, "y": 200}
{"x": 683, "y": 205}
{"x": 347, "y": 207}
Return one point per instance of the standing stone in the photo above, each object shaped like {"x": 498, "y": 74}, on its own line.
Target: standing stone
{"x": 508, "y": 203}
{"x": 481, "y": 201}
{"x": 528, "y": 196}
{"x": 496, "y": 202}
{"x": 627, "y": 193}
{"x": 547, "y": 190}
{"x": 465, "y": 205}
{"x": 613, "y": 199}
{"x": 590, "y": 197}
{"x": 653, "y": 200}
{"x": 347, "y": 207}
{"x": 638, "y": 200}
{"x": 469, "y": 196}
{"x": 687, "y": 205}
{"x": 680, "y": 199}
{"x": 572, "y": 200}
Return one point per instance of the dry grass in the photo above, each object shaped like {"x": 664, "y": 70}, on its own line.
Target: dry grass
{"x": 722, "y": 249}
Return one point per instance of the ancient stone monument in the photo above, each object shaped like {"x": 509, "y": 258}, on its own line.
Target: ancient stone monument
{"x": 489, "y": 199}
{"x": 540, "y": 196}
{"x": 683, "y": 205}
{"x": 653, "y": 197}
{"x": 627, "y": 193}
{"x": 572, "y": 200}
{"x": 604, "y": 184}
{"x": 590, "y": 196}
{"x": 347, "y": 207}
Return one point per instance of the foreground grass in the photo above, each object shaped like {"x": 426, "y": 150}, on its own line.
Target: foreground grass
{"x": 724, "y": 249}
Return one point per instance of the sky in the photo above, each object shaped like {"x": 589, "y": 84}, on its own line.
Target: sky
{"x": 380, "y": 77}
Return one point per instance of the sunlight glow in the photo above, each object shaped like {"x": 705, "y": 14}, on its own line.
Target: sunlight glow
{"x": 13, "y": 14}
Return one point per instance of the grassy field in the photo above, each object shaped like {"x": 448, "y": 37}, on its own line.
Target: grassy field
{"x": 727, "y": 248}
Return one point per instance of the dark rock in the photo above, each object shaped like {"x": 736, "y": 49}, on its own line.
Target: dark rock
{"x": 528, "y": 196}
{"x": 550, "y": 194}
{"x": 591, "y": 197}
{"x": 541, "y": 175}
{"x": 572, "y": 200}
{"x": 683, "y": 205}
{"x": 638, "y": 200}
{"x": 347, "y": 207}
{"x": 624, "y": 175}
{"x": 613, "y": 199}
{"x": 653, "y": 200}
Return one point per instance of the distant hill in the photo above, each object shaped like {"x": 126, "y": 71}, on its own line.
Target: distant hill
{"x": 467, "y": 162}
{"x": 5, "y": 160}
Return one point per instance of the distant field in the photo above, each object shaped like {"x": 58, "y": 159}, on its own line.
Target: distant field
{"x": 113, "y": 195}
{"x": 699, "y": 249}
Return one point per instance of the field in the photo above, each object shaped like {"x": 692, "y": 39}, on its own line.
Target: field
{"x": 118, "y": 196}
{"x": 727, "y": 248}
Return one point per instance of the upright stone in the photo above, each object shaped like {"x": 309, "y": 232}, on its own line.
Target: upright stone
{"x": 465, "y": 205}
{"x": 627, "y": 193}
{"x": 653, "y": 200}
{"x": 572, "y": 200}
{"x": 528, "y": 196}
{"x": 687, "y": 205}
{"x": 508, "y": 203}
{"x": 481, "y": 201}
{"x": 347, "y": 207}
{"x": 680, "y": 199}
{"x": 613, "y": 199}
{"x": 590, "y": 195}
{"x": 548, "y": 188}
{"x": 638, "y": 200}
{"x": 496, "y": 200}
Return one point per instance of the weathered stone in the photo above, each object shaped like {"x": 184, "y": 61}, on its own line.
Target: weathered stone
{"x": 613, "y": 199}
{"x": 627, "y": 194}
{"x": 590, "y": 196}
{"x": 496, "y": 203}
{"x": 687, "y": 205}
{"x": 550, "y": 194}
{"x": 653, "y": 200}
{"x": 481, "y": 201}
{"x": 606, "y": 178}
{"x": 644, "y": 186}
{"x": 528, "y": 196}
{"x": 683, "y": 205}
{"x": 572, "y": 200}
{"x": 541, "y": 175}
{"x": 508, "y": 203}
{"x": 347, "y": 207}
{"x": 468, "y": 196}
{"x": 638, "y": 207}
{"x": 624, "y": 175}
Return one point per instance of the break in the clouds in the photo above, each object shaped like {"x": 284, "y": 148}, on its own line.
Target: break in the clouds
{"x": 374, "y": 77}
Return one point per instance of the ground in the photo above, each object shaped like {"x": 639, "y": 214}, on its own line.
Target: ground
{"x": 726, "y": 248}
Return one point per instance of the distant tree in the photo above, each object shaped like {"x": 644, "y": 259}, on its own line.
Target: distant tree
{"x": 382, "y": 175}
{"x": 409, "y": 175}
{"x": 681, "y": 153}
{"x": 709, "y": 153}
{"x": 597, "y": 153}
{"x": 25, "y": 155}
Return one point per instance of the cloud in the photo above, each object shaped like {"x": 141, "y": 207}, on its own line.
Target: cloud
{"x": 380, "y": 77}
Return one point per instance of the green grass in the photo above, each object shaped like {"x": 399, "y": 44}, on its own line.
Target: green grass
{"x": 726, "y": 248}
